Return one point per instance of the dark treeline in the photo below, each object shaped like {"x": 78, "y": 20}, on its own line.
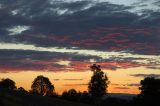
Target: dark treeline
{"x": 96, "y": 94}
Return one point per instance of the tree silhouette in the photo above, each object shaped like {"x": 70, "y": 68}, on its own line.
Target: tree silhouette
{"x": 7, "y": 84}
{"x": 1, "y": 103}
{"x": 150, "y": 91}
{"x": 73, "y": 95}
{"x": 70, "y": 94}
{"x": 98, "y": 84}
{"x": 21, "y": 89}
{"x": 41, "y": 85}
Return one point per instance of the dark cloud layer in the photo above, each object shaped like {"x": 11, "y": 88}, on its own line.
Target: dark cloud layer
{"x": 81, "y": 24}
{"x": 17, "y": 60}
{"x": 67, "y": 24}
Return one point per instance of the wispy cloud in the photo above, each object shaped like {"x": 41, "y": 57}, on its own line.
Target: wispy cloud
{"x": 121, "y": 88}
{"x": 101, "y": 54}
{"x": 31, "y": 57}
{"x": 15, "y": 30}
{"x": 146, "y": 75}
{"x": 80, "y": 84}
{"x": 73, "y": 79}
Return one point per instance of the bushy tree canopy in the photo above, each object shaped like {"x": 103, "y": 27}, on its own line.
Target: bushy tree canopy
{"x": 7, "y": 84}
{"x": 99, "y": 82}
{"x": 21, "y": 89}
{"x": 42, "y": 85}
{"x": 70, "y": 94}
{"x": 150, "y": 90}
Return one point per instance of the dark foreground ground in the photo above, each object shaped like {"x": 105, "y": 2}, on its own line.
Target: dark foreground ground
{"x": 22, "y": 99}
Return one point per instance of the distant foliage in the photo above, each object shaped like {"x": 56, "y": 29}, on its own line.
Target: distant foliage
{"x": 70, "y": 94}
{"x": 73, "y": 95}
{"x": 21, "y": 89}
{"x": 99, "y": 82}
{"x": 7, "y": 84}
{"x": 42, "y": 85}
{"x": 150, "y": 91}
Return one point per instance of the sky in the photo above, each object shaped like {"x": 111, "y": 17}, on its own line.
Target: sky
{"x": 60, "y": 39}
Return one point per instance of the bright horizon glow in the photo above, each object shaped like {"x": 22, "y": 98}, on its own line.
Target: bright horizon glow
{"x": 61, "y": 39}
{"x": 121, "y": 77}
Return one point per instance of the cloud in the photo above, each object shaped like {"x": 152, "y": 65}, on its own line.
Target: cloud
{"x": 29, "y": 57}
{"x": 51, "y": 29}
{"x": 26, "y": 60}
{"x": 56, "y": 79}
{"x": 64, "y": 62}
{"x": 121, "y": 88}
{"x": 80, "y": 84}
{"x": 65, "y": 35}
{"x": 146, "y": 75}
{"x": 73, "y": 79}
{"x": 132, "y": 85}
{"x": 127, "y": 85}
{"x": 18, "y": 30}
{"x": 100, "y": 54}
{"x": 155, "y": 68}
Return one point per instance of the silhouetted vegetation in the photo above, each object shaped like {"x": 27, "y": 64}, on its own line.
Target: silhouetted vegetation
{"x": 150, "y": 91}
{"x": 73, "y": 95}
{"x": 99, "y": 82}
{"x": 96, "y": 95}
{"x": 7, "y": 84}
{"x": 1, "y": 103}
{"x": 16, "y": 98}
{"x": 21, "y": 89}
{"x": 42, "y": 85}
{"x": 114, "y": 102}
{"x": 97, "y": 87}
{"x": 70, "y": 94}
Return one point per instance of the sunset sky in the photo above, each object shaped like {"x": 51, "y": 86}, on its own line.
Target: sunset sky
{"x": 60, "y": 39}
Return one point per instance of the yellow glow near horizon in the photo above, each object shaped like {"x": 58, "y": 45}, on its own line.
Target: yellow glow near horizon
{"x": 121, "y": 77}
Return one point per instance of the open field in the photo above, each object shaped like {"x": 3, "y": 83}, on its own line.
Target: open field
{"x": 21, "y": 99}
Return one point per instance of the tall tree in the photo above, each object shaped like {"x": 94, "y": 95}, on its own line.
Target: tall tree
{"x": 150, "y": 91}
{"x": 7, "y": 84}
{"x": 42, "y": 86}
{"x": 98, "y": 84}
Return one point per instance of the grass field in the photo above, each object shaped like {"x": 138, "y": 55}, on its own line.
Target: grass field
{"x": 22, "y": 99}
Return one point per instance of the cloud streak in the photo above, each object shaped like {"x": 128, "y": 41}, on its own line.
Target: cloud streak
{"x": 146, "y": 75}
{"x": 101, "y": 54}
{"x": 30, "y": 57}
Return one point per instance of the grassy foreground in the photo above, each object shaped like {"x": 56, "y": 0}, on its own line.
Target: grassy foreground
{"x": 22, "y": 99}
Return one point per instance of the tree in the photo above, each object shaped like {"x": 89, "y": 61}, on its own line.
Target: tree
{"x": 42, "y": 85}
{"x": 70, "y": 95}
{"x": 86, "y": 98}
{"x": 98, "y": 84}
{"x": 72, "y": 92}
{"x": 7, "y": 84}
{"x": 150, "y": 91}
{"x": 21, "y": 89}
